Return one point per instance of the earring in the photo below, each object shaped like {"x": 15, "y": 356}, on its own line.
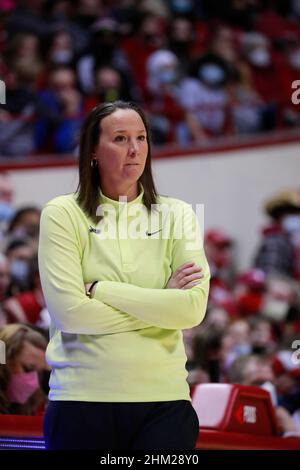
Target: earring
{"x": 94, "y": 163}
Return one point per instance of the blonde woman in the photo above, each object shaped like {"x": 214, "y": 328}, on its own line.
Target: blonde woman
{"x": 21, "y": 376}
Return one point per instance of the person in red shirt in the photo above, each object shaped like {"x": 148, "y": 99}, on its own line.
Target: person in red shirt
{"x": 26, "y": 307}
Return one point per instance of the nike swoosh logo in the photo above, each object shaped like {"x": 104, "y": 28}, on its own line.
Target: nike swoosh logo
{"x": 153, "y": 233}
{"x": 94, "y": 230}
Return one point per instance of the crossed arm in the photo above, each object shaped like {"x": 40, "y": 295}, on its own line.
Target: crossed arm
{"x": 116, "y": 306}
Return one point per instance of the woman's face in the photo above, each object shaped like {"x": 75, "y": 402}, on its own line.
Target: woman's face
{"x": 122, "y": 149}
{"x": 30, "y": 358}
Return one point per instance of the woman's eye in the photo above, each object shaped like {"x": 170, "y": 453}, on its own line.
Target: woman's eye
{"x": 142, "y": 137}
{"x": 27, "y": 368}
{"x": 120, "y": 138}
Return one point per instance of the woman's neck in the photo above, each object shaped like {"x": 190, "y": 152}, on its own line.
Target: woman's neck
{"x": 130, "y": 192}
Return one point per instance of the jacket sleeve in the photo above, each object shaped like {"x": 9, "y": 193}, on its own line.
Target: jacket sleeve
{"x": 167, "y": 308}
{"x": 59, "y": 258}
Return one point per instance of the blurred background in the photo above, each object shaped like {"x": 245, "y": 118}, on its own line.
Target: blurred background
{"x": 219, "y": 82}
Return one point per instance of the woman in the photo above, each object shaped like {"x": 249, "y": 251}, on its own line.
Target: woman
{"x": 118, "y": 294}
{"x": 21, "y": 378}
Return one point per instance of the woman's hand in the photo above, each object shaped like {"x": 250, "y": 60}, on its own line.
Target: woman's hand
{"x": 88, "y": 285}
{"x": 186, "y": 276}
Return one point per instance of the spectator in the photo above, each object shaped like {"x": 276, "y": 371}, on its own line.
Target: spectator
{"x": 280, "y": 291}
{"x": 60, "y": 127}
{"x": 61, "y": 49}
{"x": 182, "y": 41}
{"x": 206, "y": 355}
{"x": 286, "y": 369}
{"x": 19, "y": 253}
{"x": 150, "y": 37}
{"x": 279, "y": 249}
{"x": 258, "y": 54}
{"x": 204, "y": 96}
{"x": 29, "y": 17}
{"x": 105, "y": 50}
{"x": 65, "y": 16}
{"x": 224, "y": 44}
{"x": 217, "y": 318}
{"x": 218, "y": 247}
{"x": 253, "y": 370}
{"x": 262, "y": 336}
{"x": 26, "y": 307}
{"x": 110, "y": 85}
{"x": 24, "y": 56}
{"x": 239, "y": 331}
{"x": 20, "y": 377}
{"x": 249, "y": 292}
{"x": 25, "y": 223}
{"x": 17, "y": 118}
{"x": 4, "y": 284}
{"x": 246, "y": 104}
{"x": 6, "y": 204}
{"x": 168, "y": 120}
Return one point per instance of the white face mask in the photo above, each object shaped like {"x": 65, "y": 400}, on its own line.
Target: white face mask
{"x": 294, "y": 59}
{"x": 291, "y": 223}
{"x": 260, "y": 57}
{"x": 275, "y": 309}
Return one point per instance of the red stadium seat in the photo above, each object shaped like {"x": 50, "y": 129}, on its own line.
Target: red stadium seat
{"x": 237, "y": 417}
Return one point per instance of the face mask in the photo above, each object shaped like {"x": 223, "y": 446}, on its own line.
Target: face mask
{"x": 212, "y": 74}
{"x": 19, "y": 270}
{"x": 275, "y": 309}
{"x": 30, "y": 230}
{"x": 260, "y": 57}
{"x": 242, "y": 349}
{"x": 291, "y": 223}
{"x": 62, "y": 57}
{"x": 6, "y": 211}
{"x": 294, "y": 59}
{"x": 22, "y": 386}
{"x": 167, "y": 77}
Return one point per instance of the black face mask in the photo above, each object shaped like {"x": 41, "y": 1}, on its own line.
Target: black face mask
{"x": 44, "y": 380}
{"x": 259, "y": 349}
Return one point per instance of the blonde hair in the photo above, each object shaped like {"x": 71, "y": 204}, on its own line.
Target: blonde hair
{"x": 14, "y": 337}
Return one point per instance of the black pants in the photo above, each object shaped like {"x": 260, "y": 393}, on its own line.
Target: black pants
{"x": 166, "y": 425}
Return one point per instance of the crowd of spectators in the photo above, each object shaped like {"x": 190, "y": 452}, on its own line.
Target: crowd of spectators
{"x": 201, "y": 68}
{"x": 250, "y": 334}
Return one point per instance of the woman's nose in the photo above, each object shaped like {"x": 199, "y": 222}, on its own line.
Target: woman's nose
{"x": 133, "y": 147}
